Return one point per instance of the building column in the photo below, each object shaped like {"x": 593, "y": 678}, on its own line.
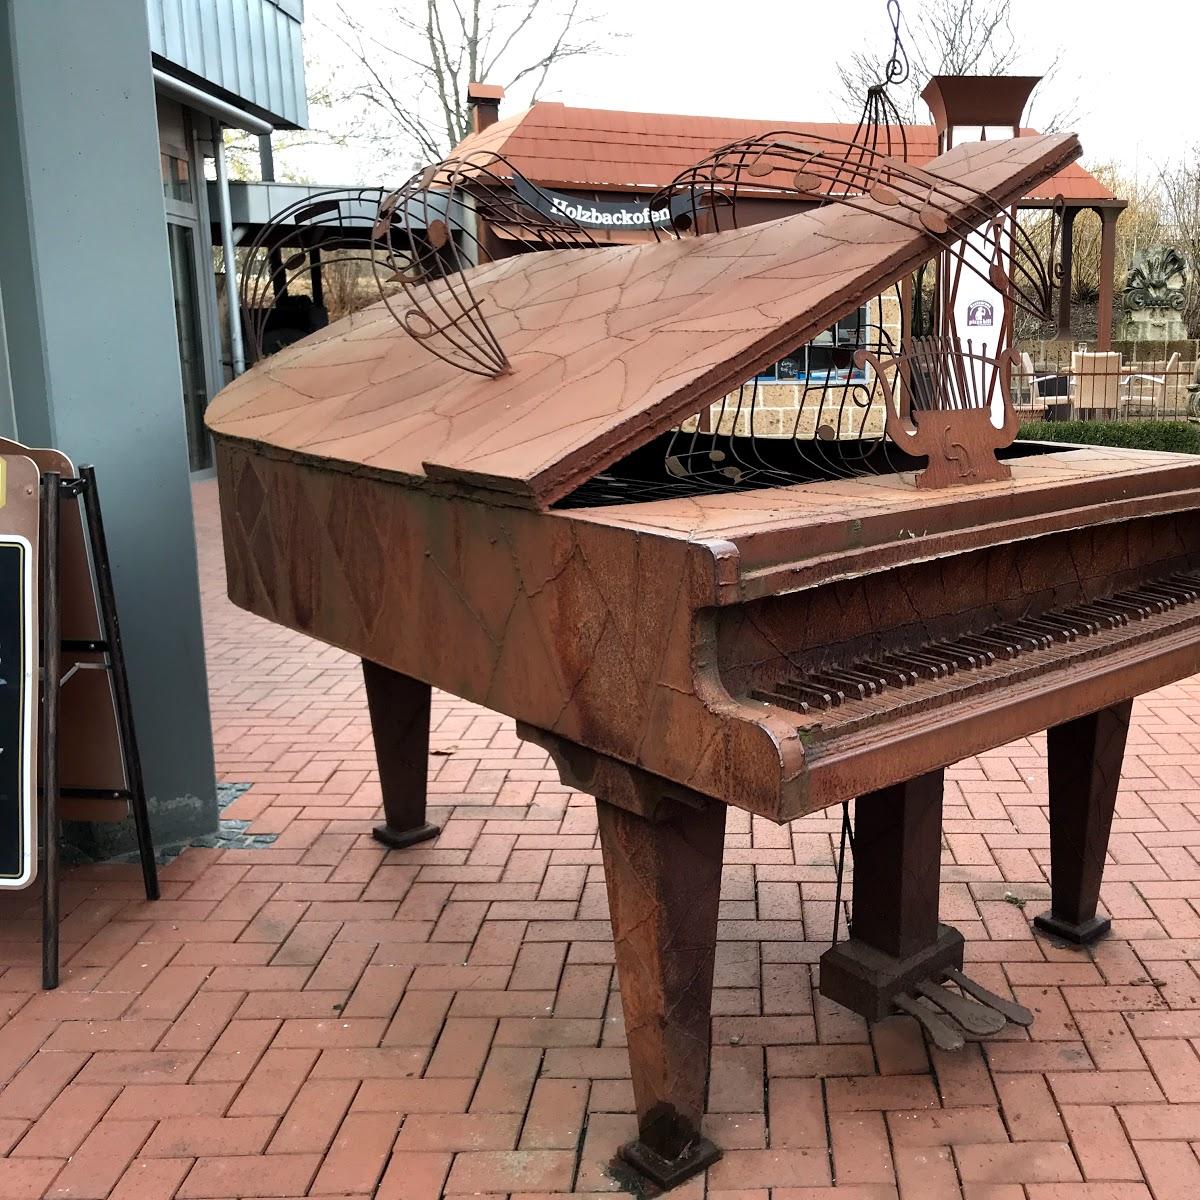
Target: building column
{"x": 1108, "y": 269}
{"x": 1065, "y": 258}
{"x": 94, "y": 361}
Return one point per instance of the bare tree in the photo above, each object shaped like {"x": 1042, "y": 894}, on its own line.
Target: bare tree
{"x": 947, "y": 37}
{"x": 1140, "y": 227}
{"x": 290, "y": 146}
{"x": 413, "y": 61}
{"x": 1180, "y": 190}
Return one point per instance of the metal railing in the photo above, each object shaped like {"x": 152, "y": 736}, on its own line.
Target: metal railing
{"x": 1058, "y": 383}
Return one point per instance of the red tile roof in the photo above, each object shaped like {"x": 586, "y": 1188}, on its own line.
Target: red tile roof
{"x": 605, "y": 150}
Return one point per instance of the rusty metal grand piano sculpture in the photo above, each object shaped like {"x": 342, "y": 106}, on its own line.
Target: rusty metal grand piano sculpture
{"x": 506, "y": 493}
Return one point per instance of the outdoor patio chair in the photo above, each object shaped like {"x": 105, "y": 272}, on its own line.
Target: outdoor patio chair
{"x": 1031, "y": 396}
{"x": 1095, "y": 384}
{"x": 1144, "y": 391}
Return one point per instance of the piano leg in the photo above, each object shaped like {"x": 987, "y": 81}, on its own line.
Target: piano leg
{"x": 896, "y": 940}
{"x": 664, "y": 883}
{"x": 399, "y": 708}
{"x": 1084, "y": 757}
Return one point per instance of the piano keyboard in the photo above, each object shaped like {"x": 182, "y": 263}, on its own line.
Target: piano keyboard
{"x": 846, "y": 698}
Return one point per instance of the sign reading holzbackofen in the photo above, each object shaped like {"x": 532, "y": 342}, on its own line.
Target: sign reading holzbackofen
{"x": 19, "y": 499}
{"x": 591, "y": 214}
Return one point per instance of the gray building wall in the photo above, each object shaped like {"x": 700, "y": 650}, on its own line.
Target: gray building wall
{"x": 250, "y": 50}
{"x": 92, "y": 351}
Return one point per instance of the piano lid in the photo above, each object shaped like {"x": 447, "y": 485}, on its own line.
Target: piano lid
{"x": 608, "y": 347}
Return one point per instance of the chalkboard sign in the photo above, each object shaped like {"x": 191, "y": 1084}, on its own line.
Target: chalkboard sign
{"x": 18, "y": 826}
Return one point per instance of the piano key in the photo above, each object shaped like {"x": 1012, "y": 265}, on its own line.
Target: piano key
{"x": 973, "y": 643}
{"x": 1137, "y": 607}
{"x": 964, "y": 656}
{"x": 1091, "y": 622}
{"x": 1045, "y": 631}
{"x": 947, "y": 662}
{"x": 1108, "y": 606}
{"x": 1164, "y": 591}
{"x": 1097, "y": 617}
{"x": 810, "y": 693}
{"x": 892, "y": 675}
{"x": 1003, "y": 646}
{"x": 961, "y": 656}
{"x": 781, "y": 701}
{"x": 910, "y": 681}
{"x": 840, "y": 681}
{"x": 1025, "y": 637}
{"x": 1174, "y": 586}
{"x": 1152, "y": 602}
{"x": 873, "y": 683}
{"x": 1175, "y": 593}
{"x": 934, "y": 666}
{"x": 915, "y": 669}
{"x": 1059, "y": 628}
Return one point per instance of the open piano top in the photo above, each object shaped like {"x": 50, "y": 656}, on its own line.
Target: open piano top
{"x": 788, "y": 626}
{"x": 779, "y": 647}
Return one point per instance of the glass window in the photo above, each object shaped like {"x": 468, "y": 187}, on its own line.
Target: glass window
{"x": 177, "y": 179}
{"x": 191, "y": 347}
{"x": 831, "y": 351}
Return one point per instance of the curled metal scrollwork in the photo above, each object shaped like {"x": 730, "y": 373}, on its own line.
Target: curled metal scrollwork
{"x": 446, "y": 220}
{"x": 825, "y": 170}
{"x": 897, "y": 68}
{"x": 322, "y": 228}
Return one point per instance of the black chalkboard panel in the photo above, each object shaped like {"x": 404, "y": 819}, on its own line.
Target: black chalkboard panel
{"x": 17, "y": 810}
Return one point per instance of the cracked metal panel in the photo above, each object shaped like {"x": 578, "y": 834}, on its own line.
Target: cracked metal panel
{"x": 636, "y": 636}
{"x": 569, "y": 626}
{"x": 607, "y": 348}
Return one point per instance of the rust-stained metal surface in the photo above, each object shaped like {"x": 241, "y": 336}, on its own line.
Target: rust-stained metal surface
{"x": 606, "y": 348}
{"x": 939, "y": 397}
{"x": 643, "y": 631}
{"x": 664, "y": 882}
{"x": 778, "y": 643}
{"x": 1084, "y": 757}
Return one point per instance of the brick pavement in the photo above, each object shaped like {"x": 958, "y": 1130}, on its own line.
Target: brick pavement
{"x": 322, "y": 1018}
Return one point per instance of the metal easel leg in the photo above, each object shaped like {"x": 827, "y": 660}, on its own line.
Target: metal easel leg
{"x": 111, "y": 632}
{"x": 51, "y": 679}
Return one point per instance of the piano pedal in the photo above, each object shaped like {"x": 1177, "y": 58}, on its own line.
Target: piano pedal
{"x": 944, "y": 1034}
{"x": 971, "y": 1015}
{"x": 1013, "y": 1012}
{"x": 952, "y": 1019}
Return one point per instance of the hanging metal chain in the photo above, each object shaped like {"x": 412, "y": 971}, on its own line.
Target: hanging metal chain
{"x": 880, "y": 126}
{"x": 897, "y": 69}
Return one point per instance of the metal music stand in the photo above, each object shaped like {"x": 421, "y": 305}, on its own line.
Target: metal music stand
{"x": 55, "y": 489}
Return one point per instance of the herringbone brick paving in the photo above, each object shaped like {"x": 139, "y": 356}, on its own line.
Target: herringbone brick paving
{"x": 324, "y": 1018}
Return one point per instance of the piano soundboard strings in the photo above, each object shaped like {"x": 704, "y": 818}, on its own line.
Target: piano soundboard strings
{"x": 829, "y": 423}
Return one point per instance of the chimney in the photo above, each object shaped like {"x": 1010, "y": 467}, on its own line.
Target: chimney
{"x": 483, "y": 99}
{"x": 977, "y": 101}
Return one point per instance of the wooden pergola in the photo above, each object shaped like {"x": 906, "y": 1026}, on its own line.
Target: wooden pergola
{"x": 999, "y": 101}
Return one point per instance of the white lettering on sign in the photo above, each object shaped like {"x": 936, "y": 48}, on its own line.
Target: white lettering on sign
{"x": 585, "y": 214}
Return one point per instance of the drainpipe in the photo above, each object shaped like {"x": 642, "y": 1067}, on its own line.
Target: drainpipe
{"x": 237, "y": 353}
{"x": 8, "y": 406}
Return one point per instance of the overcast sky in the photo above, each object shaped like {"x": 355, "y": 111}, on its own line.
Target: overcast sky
{"x": 1127, "y": 68}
